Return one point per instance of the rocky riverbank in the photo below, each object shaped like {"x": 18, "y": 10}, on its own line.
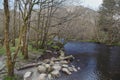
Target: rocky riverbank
{"x": 52, "y": 68}
{"x": 50, "y": 65}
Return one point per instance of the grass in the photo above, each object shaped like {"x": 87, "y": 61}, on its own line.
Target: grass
{"x": 89, "y": 41}
{"x": 12, "y": 78}
{"x": 2, "y": 50}
{"x": 31, "y": 49}
{"x": 12, "y": 49}
{"x": 116, "y": 44}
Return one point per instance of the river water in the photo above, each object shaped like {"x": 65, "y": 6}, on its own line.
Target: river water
{"x": 97, "y": 61}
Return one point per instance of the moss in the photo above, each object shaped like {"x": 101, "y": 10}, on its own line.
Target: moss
{"x": 12, "y": 49}
{"x": 56, "y": 47}
{"x": 11, "y": 78}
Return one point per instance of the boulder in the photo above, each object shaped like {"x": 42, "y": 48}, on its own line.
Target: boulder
{"x": 56, "y": 67}
{"x": 41, "y": 69}
{"x": 63, "y": 62}
{"x": 51, "y": 62}
{"x": 55, "y": 73}
{"x": 65, "y": 65}
{"x": 57, "y": 62}
{"x": 48, "y": 67}
{"x": 49, "y": 76}
{"x": 27, "y": 76}
{"x": 53, "y": 58}
{"x": 65, "y": 70}
{"x": 42, "y": 76}
{"x": 70, "y": 69}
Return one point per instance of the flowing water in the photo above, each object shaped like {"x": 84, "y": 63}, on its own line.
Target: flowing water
{"x": 97, "y": 61}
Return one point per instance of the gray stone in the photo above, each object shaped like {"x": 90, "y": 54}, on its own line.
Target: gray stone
{"x": 53, "y": 58}
{"x": 57, "y": 62}
{"x": 41, "y": 69}
{"x": 27, "y": 76}
{"x": 49, "y": 76}
{"x": 63, "y": 62}
{"x": 42, "y": 76}
{"x": 65, "y": 70}
{"x": 65, "y": 65}
{"x": 74, "y": 69}
{"x": 55, "y": 73}
{"x": 47, "y": 65}
{"x": 56, "y": 67}
{"x": 51, "y": 62}
{"x": 70, "y": 69}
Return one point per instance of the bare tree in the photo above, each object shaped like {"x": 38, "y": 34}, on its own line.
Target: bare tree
{"x": 10, "y": 64}
{"x": 26, "y": 7}
{"x": 14, "y": 23}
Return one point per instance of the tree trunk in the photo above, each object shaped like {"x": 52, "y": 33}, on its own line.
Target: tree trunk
{"x": 14, "y": 23}
{"x": 38, "y": 27}
{"x": 10, "y": 68}
{"x": 25, "y": 44}
{"x": 9, "y": 63}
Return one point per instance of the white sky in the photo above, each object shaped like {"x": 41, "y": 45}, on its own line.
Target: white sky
{"x": 93, "y": 4}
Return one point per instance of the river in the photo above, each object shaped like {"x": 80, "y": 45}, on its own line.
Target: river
{"x": 97, "y": 61}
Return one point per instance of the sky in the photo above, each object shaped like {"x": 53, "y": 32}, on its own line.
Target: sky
{"x": 93, "y": 4}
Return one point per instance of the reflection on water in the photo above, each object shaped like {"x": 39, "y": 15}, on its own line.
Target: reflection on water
{"x": 97, "y": 61}
{"x": 75, "y": 47}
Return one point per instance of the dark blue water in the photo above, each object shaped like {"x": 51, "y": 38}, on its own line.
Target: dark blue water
{"x": 97, "y": 61}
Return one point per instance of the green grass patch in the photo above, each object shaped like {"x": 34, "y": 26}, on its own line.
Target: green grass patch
{"x": 2, "y": 50}
{"x": 89, "y": 41}
{"x": 12, "y": 49}
{"x": 34, "y": 50}
{"x": 11, "y": 78}
{"x": 116, "y": 44}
